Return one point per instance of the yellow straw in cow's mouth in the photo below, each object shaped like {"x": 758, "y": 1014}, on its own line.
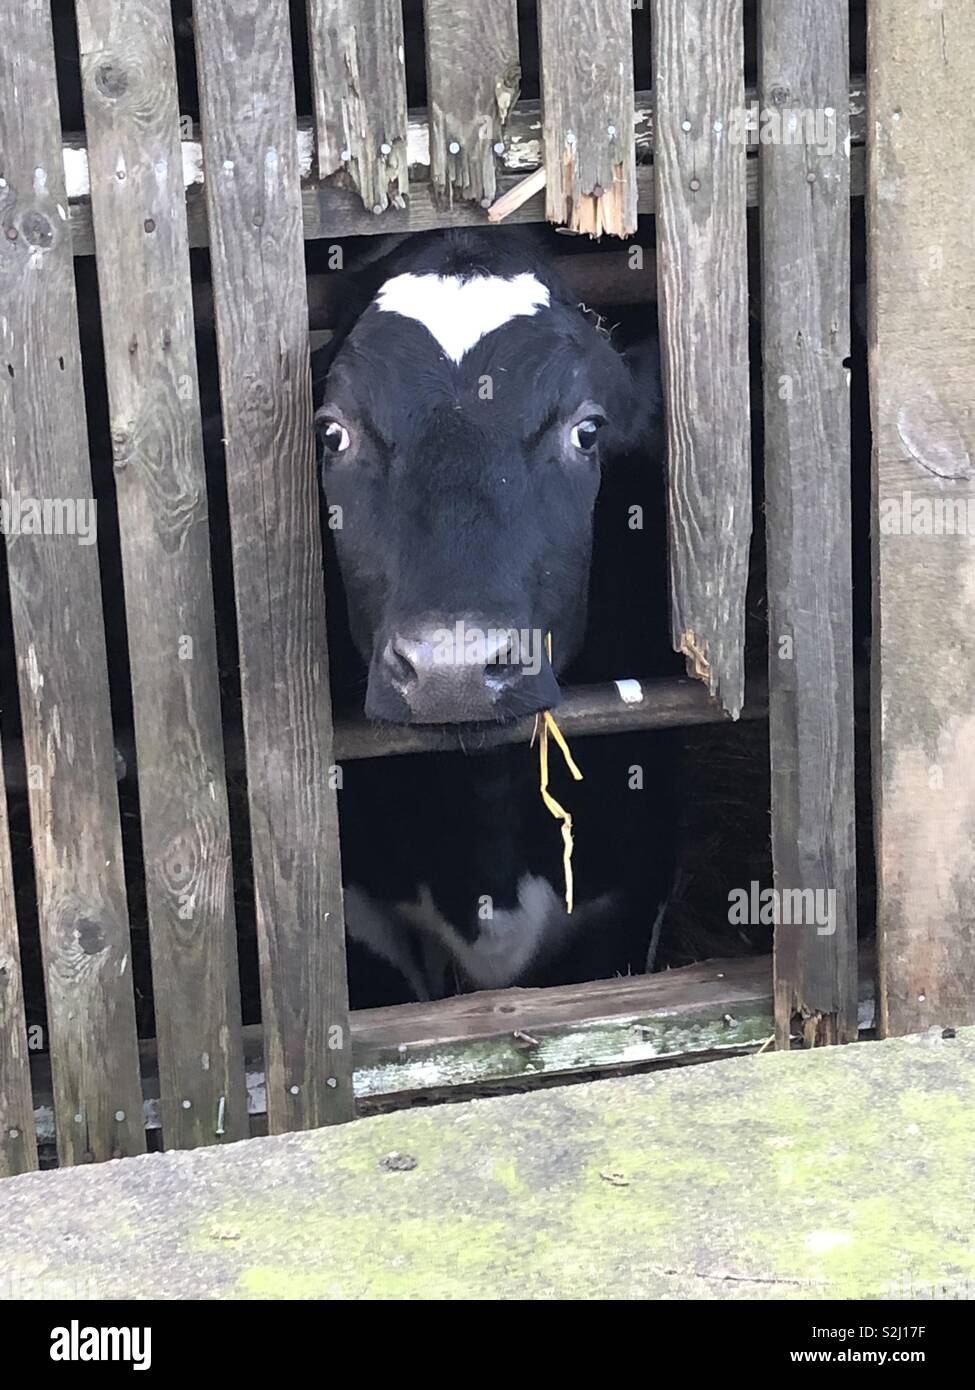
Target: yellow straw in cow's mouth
{"x": 544, "y": 726}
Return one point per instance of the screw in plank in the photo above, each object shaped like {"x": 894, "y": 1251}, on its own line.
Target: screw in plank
{"x": 120, "y": 1115}
{"x": 454, "y": 147}
{"x": 695, "y": 185}
{"x": 187, "y": 1105}
{"x": 499, "y": 147}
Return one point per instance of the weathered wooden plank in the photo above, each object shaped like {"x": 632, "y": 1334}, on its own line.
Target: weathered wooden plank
{"x": 921, "y": 280}
{"x": 132, "y": 118}
{"x": 359, "y": 80}
{"x": 805, "y": 223}
{"x": 18, "y": 1145}
{"x": 57, "y": 618}
{"x": 703, "y": 301}
{"x": 586, "y": 57}
{"x": 529, "y": 1037}
{"x": 262, "y": 335}
{"x": 473, "y": 79}
{"x": 329, "y": 211}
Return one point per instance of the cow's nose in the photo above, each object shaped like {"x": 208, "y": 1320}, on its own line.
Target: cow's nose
{"x": 445, "y": 676}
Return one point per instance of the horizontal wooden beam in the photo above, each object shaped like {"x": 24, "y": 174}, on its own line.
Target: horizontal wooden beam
{"x": 661, "y": 703}
{"x": 527, "y": 1037}
{"x": 616, "y": 708}
{"x": 333, "y": 211}
{"x": 522, "y": 143}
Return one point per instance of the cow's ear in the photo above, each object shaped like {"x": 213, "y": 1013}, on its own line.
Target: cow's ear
{"x": 639, "y": 425}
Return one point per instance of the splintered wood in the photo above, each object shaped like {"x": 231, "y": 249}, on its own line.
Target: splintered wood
{"x": 359, "y": 80}
{"x": 473, "y": 78}
{"x": 586, "y": 56}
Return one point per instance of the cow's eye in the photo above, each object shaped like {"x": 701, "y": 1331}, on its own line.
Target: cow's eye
{"x": 584, "y": 434}
{"x": 335, "y": 437}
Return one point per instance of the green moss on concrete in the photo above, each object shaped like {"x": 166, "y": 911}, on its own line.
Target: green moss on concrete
{"x": 841, "y": 1173}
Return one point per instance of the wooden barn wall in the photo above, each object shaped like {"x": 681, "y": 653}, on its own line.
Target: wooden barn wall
{"x": 382, "y": 127}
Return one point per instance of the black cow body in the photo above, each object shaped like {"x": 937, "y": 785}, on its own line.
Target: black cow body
{"x": 462, "y": 460}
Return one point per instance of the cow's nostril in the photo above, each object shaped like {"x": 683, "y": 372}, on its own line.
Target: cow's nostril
{"x": 499, "y": 675}
{"x": 400, "y": 659}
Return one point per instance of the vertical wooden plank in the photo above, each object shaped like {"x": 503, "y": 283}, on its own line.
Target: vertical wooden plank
{"x": 132, "y": 122}
{"x": 702, "y": 274}
{"x": 586, "y": 58}
{"x": 57, "y": 619}
{"x": 473, "y": 79}
{"x": 359, "y": 79}
{"x": 18, "y": 1142}
{"x": 254, "y": 208}
{"x": 805, "y": 217}
{"x": 921, "y": 196}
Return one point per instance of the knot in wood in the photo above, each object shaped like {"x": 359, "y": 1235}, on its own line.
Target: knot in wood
{"x": 37, "y": 229}
{"x": 111, "y": 79}
{"x": 91, "y": 935}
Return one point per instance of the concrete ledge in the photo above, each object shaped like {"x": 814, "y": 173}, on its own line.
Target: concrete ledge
{"x": 842, "y": 1173}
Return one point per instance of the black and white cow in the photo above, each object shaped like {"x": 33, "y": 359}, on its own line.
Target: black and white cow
{"x": 467, "y": 410}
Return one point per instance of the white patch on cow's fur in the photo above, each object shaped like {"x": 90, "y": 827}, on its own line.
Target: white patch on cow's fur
{"x": 510, "y": 940}
{"x": 458, "y": 312}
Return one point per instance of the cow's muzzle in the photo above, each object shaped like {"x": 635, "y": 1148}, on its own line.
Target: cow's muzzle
{"x": 460, "y": 673}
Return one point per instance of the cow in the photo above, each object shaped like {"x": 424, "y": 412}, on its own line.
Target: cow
{"x": 467, "y": 411}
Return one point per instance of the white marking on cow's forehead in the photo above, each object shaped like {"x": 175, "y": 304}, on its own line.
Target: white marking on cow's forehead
{"x": 460, "y": 312}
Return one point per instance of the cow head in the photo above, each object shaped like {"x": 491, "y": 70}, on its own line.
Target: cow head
{"x": 462, "y": 426}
